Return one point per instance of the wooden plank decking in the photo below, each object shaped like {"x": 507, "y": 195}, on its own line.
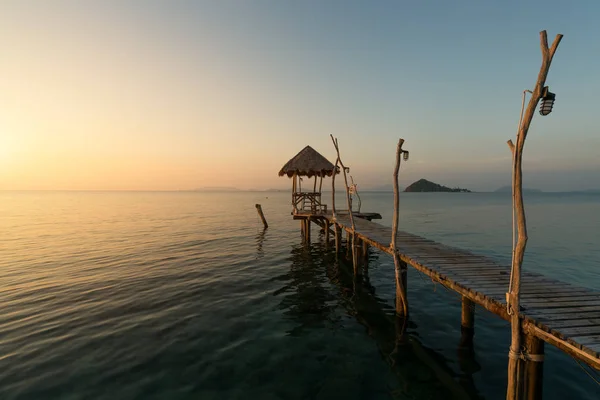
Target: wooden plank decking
{"x": 558, "y": 313}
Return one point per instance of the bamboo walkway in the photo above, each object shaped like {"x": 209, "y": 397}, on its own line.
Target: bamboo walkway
{"x": 558, "y": 313}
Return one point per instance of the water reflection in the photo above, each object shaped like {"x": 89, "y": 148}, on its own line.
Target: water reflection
{"x": 260, "y": 238}
{"x": 319, "y": 283}
{"x": 308, "y": 297}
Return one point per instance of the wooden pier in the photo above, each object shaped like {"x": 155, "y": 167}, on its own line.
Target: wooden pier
{"x": 550, "y": 311}
{"x": 553, "y": 312}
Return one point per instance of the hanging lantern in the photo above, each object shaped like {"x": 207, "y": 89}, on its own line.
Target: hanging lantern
{"x": 405, "y": 156}
{"x": 547, "y": 102}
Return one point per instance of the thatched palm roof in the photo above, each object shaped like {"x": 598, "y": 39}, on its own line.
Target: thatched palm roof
{"x": 308, "y": 163}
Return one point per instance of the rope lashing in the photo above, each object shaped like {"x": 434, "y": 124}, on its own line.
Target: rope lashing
{"x": 523, "y": 355}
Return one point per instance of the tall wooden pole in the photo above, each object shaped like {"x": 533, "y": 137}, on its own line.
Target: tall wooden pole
{"x": 515, "y": 373}
{"x": 335, "y": 168}
{"x": 400, "y": 267}
{"x": 354, "y": 238}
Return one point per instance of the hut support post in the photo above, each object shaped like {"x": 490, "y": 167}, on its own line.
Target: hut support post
{"x": 467, "y": 323}
{"x": 337, "y": 237}
{"x": 307, "y": 229}
{"x": 294, "y": 192}
{"x": 400, "y": 266}
{"x": 327, "y": 233}
{"x": 534, "y": 367}
{"x": 515, "y": 376}
{"x": 365, "y": 253}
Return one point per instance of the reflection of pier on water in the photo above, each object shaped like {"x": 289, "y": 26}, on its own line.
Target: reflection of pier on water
{"x": 319, "y": 282}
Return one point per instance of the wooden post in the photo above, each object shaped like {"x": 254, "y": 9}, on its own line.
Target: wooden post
{"x": 400, "y": 267}
{"x": 339, "y": 160}
{"x": 294, "y": 192}
{"x": 365, "y": 252}
{"x": 307, "y": 229}
{"x": 467, "y": 323}
{"x": 326, "y": 233}
{"x": 512, "y": 297}
{"x": 534, "y": 367}
{"x": 337, "y": 237}
{"x": 348, "y": 244}
{"x": 261, "y": 215}
{"x": 356, "y": 247}
{"x": 335, "y": 168}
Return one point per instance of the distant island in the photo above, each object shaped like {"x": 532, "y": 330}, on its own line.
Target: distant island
{"x": 508, "y": 189}
{"x": 423, "y": 185}
{"x": 216, "y": 189}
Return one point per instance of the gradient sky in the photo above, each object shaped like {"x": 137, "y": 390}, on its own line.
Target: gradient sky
{"x": 168, "y": 95}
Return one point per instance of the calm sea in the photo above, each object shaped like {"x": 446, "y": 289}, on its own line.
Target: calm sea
{"x": 113, "y": 295}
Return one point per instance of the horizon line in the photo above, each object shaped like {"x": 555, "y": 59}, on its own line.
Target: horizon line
{"x": 233, "y": 190}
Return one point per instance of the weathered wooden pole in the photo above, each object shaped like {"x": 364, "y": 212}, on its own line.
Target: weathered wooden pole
{"x": 261, "y": 215}
{"x": 337, "y": 238}
{"x": 344, "y": 169}
{"x": 327, "y": 233}
{"x": 365, "y": 253}
{"x": 534, "y": 367}
{"x": 307, "y": 222}
{"x": 515, "y": 376}
{"x": 467, "y": 323}
{"x": 400, "y": 266}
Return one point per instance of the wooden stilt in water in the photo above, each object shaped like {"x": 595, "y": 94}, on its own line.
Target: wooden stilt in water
{"x": 337, "y": 237}
{"x": 467, "y": 324}
{"x": 365, "y": 253}
{"x": 401, "y": 289}
{"x": 534, "y": 368}
{"x": 308, "y": 230}
{"x": 348, "y": 245}
{"x": 327, "y": 233}
{"x": 355, "y": 256}
{"x": 261, "y": 215}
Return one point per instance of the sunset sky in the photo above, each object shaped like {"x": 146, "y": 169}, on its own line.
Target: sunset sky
{"x": 171, "y": 95}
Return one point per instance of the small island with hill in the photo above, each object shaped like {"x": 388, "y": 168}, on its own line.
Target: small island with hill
{"x": 423, "y": 185}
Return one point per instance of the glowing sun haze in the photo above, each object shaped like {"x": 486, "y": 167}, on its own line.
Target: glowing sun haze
{"x": 169, "y": 95}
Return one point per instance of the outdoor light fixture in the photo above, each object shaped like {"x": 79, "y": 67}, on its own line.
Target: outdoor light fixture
{"x": 547, "y": 102}
{"x": 405, "y": 155}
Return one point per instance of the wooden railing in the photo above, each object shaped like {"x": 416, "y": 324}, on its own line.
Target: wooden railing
{"x": 308, "y": 201}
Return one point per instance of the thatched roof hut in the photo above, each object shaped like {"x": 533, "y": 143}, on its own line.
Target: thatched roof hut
{"x": 308, "y": 162}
